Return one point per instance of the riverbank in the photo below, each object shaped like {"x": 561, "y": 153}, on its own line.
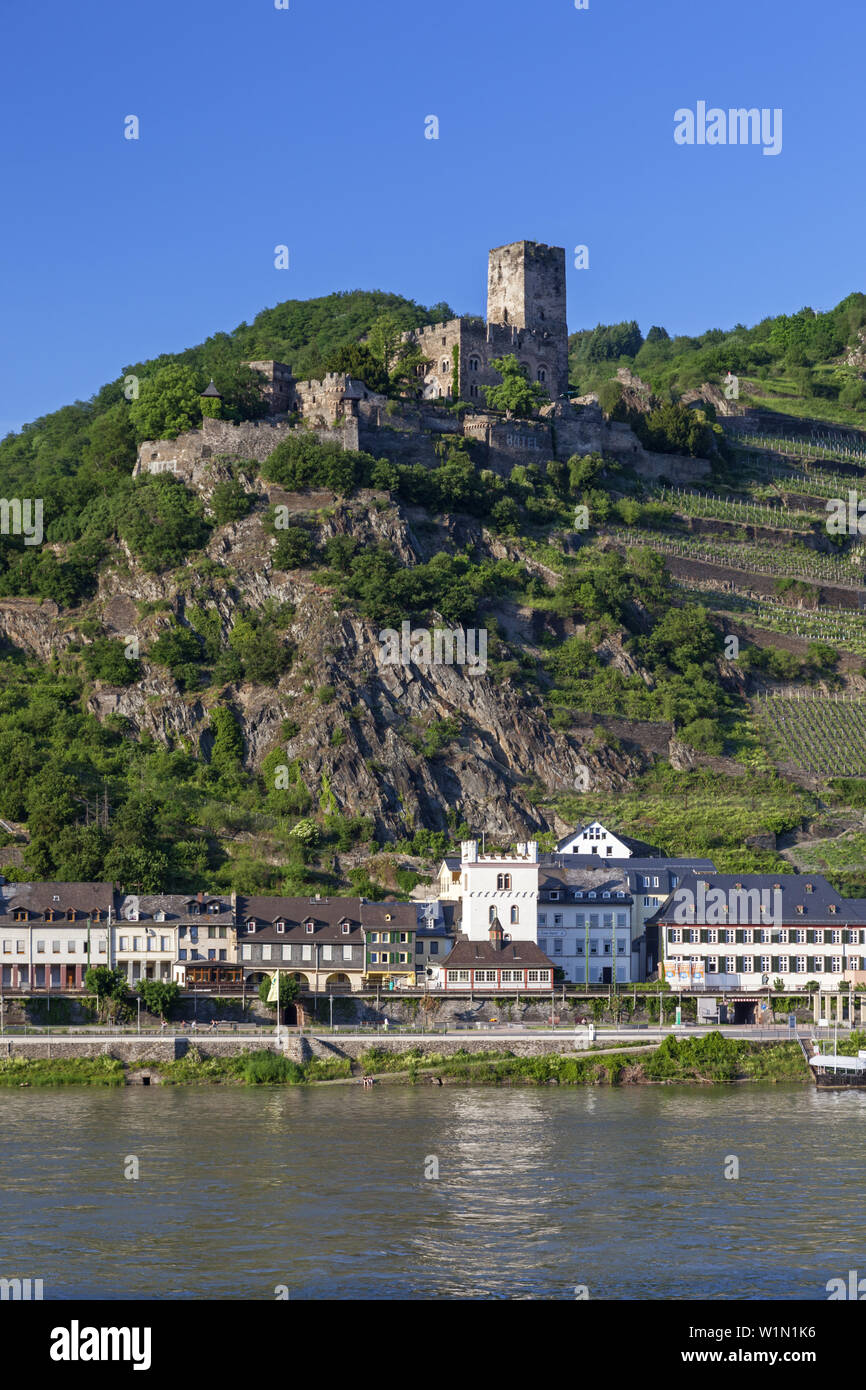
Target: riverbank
{"x": 700, "y": 1061}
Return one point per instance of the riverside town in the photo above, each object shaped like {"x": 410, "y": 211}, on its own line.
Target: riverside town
{"x": 600, "y": 913}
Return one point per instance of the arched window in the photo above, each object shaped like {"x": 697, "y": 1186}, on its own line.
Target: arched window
{"x": 503, "y": 881}
{"x": 444, "y": 366}
{"x": 542, "y": 374}
{"x": 514, "y": 915}
{"x": 473, "y": 364}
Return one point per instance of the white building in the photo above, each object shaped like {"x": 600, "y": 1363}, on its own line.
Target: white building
{"x": 503, "y": 886}
{"x": 743, "y": 932}
{"x": 597, "y": 839}
{"x": 51, "y": 933}
{"x": 585, "y": 926}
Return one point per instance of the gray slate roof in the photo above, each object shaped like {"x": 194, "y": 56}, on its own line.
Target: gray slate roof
{"x": 38, "y": 898}
{"x": 809, "y": 892}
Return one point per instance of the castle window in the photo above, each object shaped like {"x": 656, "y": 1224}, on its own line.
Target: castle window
{"x": 473, "y": 364}
{"x": 444, "y": 366}
{"x": 542, "y": 374}
{"x": 503, "y": 881}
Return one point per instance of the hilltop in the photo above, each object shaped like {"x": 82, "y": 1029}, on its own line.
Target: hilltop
{"x": 189, "y": 690}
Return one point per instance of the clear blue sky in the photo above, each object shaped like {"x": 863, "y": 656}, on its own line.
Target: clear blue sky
{"x": 306, "y": 127}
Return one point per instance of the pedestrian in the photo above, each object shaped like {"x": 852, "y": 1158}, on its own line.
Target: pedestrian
{"x": 213, "y": 1023}
{"x": 162, "y": 1025}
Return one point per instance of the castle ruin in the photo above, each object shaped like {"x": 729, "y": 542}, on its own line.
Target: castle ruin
{"x": 526, "y": 317}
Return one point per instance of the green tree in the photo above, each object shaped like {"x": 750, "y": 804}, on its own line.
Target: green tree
{"x": 180, "y": 650}
{"x": 262, "y": 651}
{"x": 168, "y": 403}
{"x": 110, "y": 443}
{"x": 293, "y": 549}
{"x": 109, "y": 986}
{"x": 515, "y": 393}
{"x": 106, "y": 660}
{"x": 138, "y": 868}
{"x": 384, "y": 338}
{"x": 229, "y": 501}
{"x": 228, "y": 743}
{"x": 290, "y": 988}
{"x": 357, "y": 360}
{"x": 159, "y": 996}
{"x": 161, "y": 521}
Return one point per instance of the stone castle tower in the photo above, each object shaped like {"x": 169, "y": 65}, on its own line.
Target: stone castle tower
{"x": 526, "y": 316}
{"x": 526, "y": 287}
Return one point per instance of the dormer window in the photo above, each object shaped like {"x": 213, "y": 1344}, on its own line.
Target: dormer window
{"x": 387, "y": 916}
{"x": 213, "y": 907}
{"x": 251, "y": 924}
{"x": 345, "y": 928}
{"x": 554, "y": 897}
{"x": 800, "y": 907}
{"x": 832, "y": 907}
{"x": 605, "y": 895}
{"x": 592, "y": 895}
{"x": 20, "y": 915}
{"x": 96, "y": 914}
{"x": 309, "y": 928}
{"x": 281, "y": 926}
{"x": 809, "y": 888}
{"x": 49, "y": 914}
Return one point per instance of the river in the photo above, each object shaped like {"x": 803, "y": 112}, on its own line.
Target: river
{"x": 540, "y": 1193}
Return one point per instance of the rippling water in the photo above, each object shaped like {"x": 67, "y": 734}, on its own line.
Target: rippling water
{"x": 539, "y": 1191}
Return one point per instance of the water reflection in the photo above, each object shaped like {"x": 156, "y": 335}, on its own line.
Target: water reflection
{"x": 538, "y": 1191}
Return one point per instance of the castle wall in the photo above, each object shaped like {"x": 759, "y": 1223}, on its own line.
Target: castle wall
{"x": 252, "y": 439}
